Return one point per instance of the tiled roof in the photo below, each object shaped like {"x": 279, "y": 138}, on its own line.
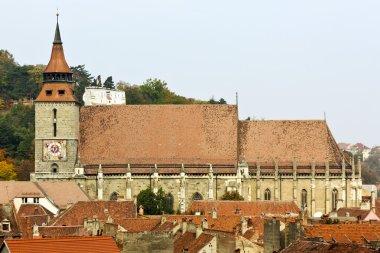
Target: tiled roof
{"x": 138, "y": 225}
{"x": 76, "y": 214}
{"x": 287, "y": 141}
{"x": 353, "y": 212}
{"x": 322, "y": 247}
{"x": 345, "y": 233}
{"x": 55, "y": 96}
{"x": 94, "y": 244}
{"x": 63, "y": 192}
{"x": 60, "y": 231}
{"x": 33, "y": 209}
{"x": 7, "y": 212}
{"x": 246, "y": 208}
{"x": 191, "y": 243}
{"x": 12, "y": 189}
{"x": 122, "y": 134}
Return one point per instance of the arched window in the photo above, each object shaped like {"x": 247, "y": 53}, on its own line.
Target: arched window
{"x": 113, "y": 196}
{"x": 267, "y": 194}
{"x": 334, "y": 199}
{"x": 303, "y": 199}
{"x": 169, "y": 201}
{"x": 54, "y": 168}
{"x": 197, "y": 196}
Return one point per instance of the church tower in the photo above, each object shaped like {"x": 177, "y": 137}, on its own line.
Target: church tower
{"x": 56, "y": 119}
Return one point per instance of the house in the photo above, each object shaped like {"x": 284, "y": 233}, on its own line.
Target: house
{"x": 358, "y": 213}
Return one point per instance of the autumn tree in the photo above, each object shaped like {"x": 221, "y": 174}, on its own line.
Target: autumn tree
{"x": 7, "y": 171}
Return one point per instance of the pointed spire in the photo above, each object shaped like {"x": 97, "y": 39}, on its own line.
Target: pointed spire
{"x": 57, "y": 36}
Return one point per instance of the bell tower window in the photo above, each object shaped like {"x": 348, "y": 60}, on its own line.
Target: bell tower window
{"x": 49, "y": 92}
{"x": 55, "y": 122}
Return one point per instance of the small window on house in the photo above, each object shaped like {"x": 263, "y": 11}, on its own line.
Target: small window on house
{"x": 36, "y": 200}
{"x": 61, "y": 92}
{"x": 49, "y": 92}
{"x": 24, "y": 200}
{"x": 6, "y": 227}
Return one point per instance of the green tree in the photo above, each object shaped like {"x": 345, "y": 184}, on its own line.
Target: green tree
{"x": 108, "y": 83}
{"x": 233, "y": 195}
{"x": 82, "y": 79}
{"x": 153, "y": 203}
{"x": 7, "y": 171}
{"x": 133, "y": 93}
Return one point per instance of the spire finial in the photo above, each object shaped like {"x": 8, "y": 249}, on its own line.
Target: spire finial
{"x": 57, "y": 36}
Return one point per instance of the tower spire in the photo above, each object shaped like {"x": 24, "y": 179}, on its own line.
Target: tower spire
{"x": 57, "y": 36}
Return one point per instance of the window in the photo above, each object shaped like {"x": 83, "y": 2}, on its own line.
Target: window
{"x": 49, "y": 92}
{"x": 334, "y": 199}
{"x": 303, "y": 199}
{"x": 61, "y": 92}
{"x": 36, "y": 200}
{"x": 267, "y": 194}
{"x": 197, "y": 196}
{"x": 24, "y": 200}
{"x": 6, "y": 227}
{"x": 169, "y": 201}
{"x": 54, "y": 168}
{"x": 55, "y": 113}
{"x": 113, "y": 196}
{"x": 55, "y": 129}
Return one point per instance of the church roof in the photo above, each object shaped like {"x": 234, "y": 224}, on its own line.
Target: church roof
{"x": 265, "y": 141}
{"x": 158, "y": 134}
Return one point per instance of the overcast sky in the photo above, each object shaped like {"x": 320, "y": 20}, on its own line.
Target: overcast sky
{"x": 286, "y": 59}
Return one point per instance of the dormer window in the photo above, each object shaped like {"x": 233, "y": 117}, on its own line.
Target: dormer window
{"x": 49, "y": 92}
{"x": 61, "y": 92}
{"x": 5, "y": 226}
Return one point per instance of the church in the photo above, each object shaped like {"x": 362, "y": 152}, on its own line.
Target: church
{"x": 193, "y": 152}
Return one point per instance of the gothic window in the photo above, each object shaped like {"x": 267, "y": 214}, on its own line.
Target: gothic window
{"x": 54, "y": 168}
{"x": 334, "y": 199}
{"x": 197, "y": 196}
{"x": 267, "y": 194}
{"x": 303, "y": 199}
{"x": 169, "y": 201}
{"x": 113, "y": 196}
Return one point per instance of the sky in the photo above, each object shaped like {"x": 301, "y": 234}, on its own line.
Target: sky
{"x": 289, "y": 59}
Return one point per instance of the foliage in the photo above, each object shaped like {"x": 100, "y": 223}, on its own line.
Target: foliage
{"x": 7, "y": 171}
{"x": 108, "y": 83}
{"x": 233, "y": 195}
{"x": 153, "y": 203}
{"x": 220, "y": 101}
{"x": 371, "y": 168}
{"x": 82, "y": 79}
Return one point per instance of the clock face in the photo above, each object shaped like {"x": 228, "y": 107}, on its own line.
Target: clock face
{"x": 54, "y": 150}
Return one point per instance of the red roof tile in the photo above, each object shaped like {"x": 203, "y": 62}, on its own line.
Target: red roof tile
{"x": 322, "y": 247}
{"x": 79, "y": 245}
{"x": 191, "y": 243}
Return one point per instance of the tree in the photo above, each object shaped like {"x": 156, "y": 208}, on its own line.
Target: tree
{"x": 7, "y": 171}
{"x": 82, "y": 79}
{"x": 108, "y": 83}
{"x": 233, "y": 195}
{"x": 153, "y": 203}
{"x": 371, "y": 168}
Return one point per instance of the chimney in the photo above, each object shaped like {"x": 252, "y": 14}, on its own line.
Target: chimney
{"x": 204, "y": 224}
{"x": 184, "y": 225}
{"x": 141, "y": 210}
{"x": 36, "y": 233}
{"x": 244, "y": 226}
{"x": 214, "y": 214}
{"x": 198, "y": 232}
{"x": 163, "y": 219}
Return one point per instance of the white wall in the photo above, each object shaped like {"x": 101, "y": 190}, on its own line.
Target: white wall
{"x": 103, "y": 96}
{"x": 42, "y": 201}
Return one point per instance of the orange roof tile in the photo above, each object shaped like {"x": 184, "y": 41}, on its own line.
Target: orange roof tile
{"x": 76, "y": 214}
{"x": 191, "y": 243}
{"x": 78, "y": 244}
{"x": 122, "y": 134}
{"x": 60, "y": 92}
{"x": 287, "y": 141}
{"x": 322, "y": 247}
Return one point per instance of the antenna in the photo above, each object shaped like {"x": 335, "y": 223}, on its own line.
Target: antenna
{"x": 324, "y": 115}
{"x": 237, "y": 99}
